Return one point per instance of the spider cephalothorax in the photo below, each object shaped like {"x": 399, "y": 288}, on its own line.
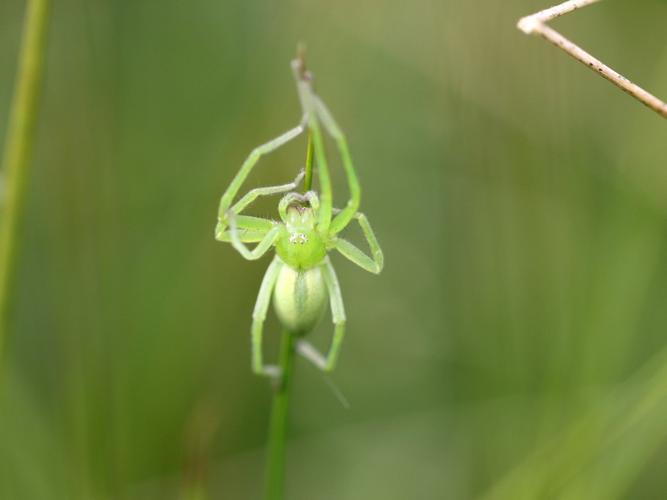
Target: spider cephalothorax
{"x": 300, "y": 245}
{"x": 301, "y": 276}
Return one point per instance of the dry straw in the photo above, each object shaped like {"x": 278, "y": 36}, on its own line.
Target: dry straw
{"x": 537, "y": 24}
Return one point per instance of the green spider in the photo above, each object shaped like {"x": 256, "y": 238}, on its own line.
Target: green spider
{"x": 301, "y": 275}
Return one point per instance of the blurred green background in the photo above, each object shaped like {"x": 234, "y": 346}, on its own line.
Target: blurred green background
{"x": 513, "y": 348}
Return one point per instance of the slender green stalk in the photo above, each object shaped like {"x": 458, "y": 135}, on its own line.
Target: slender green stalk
{"x": 275, "y": 470}
{"x": 275, "y": 477}
{"x": 308, "y": 179}
{"x": 18, "y": 147}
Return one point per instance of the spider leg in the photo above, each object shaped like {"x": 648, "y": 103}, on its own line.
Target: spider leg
{"x": 326, "y": 195}
{"x": 262, "y": 247}
{"x": 314, "y": 201}
{"x": 372, "y": 264}
{"x": 258, "y": 317}
{"x": 308, "y": 351}
{"x": 249, "y": 229}
{"x": 249, "y": 163}
{"x": 338, "y": 315}
{"x": 308, "y": 100}
{"x": 288, "y": 199}
{"x": 344, "y": 217}
{"x": 253, "y": 194}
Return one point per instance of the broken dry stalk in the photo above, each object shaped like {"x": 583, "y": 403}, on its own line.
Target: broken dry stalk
{"x": 536, "y": 24}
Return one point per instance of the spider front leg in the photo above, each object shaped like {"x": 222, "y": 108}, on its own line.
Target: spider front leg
{"x": 338, "y": 316}
{"x": 253, "y": 194}
{"x": 258, "y": 317}
{"x": 251, "y": 229}
{"x": 343, "y": 217}
{"x": 247, "y": 229}
{"x": 262, "y": 247}
{"x": 248, "y": 164}
{"x": 310, "y": 197}
{"x": 356, "y": 255}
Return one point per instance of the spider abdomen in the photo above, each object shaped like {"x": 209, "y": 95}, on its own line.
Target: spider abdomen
{"x": 299, "y": 298}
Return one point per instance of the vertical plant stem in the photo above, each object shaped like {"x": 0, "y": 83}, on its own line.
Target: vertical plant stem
{"x": 18, "y": 147}
{"x": 275, "y": 469}
{"x": 308, "y": 180}
{"x": 275, "y": 477}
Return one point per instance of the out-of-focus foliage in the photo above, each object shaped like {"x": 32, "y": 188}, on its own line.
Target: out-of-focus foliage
{"x": 513, "y": 348}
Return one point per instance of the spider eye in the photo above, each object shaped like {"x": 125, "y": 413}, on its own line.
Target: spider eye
{"x": 298, "y": 238}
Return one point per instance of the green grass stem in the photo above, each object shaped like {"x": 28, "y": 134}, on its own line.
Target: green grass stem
{"x": 18, "y": 149}
{"x": 308, "y": 179}
{"x": 275, "y": 471}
